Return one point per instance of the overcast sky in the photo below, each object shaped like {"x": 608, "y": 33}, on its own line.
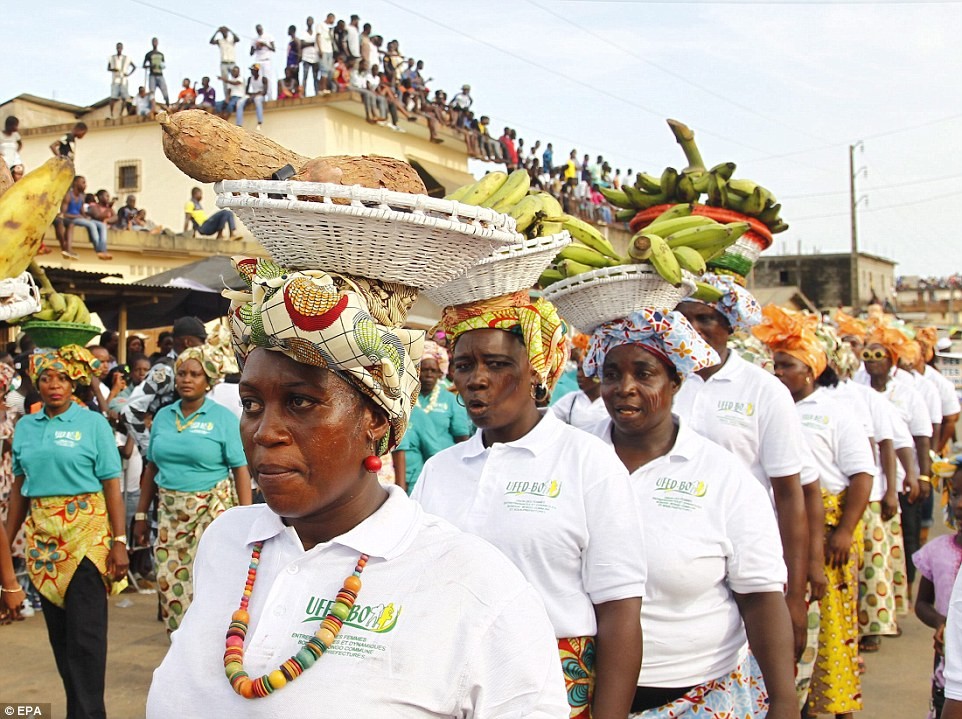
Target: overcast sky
{"x": 782, "y": 89}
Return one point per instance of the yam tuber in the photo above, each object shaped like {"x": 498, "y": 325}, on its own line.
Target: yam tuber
{"x": 6, "y": 179}
{"x": 373, "y": 171}
{"x": 210, "y": 149}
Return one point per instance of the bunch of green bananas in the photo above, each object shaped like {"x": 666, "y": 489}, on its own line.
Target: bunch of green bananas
{"x": 676, "y": 240}
{"x": 536, "y": 213}
{"x": 717, "y": 185}
{"x": 55, "y": 306}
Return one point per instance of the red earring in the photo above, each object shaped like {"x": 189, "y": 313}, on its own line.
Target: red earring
{"x": 372, "y": 463}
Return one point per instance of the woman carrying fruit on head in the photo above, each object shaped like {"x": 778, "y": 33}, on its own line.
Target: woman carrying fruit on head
{"x": 845, "y": 469}
{"x": 698, "y": 507}
{"x": 748, "y": 412}
{"x": 194, "y": 448}
{"x": 67, "y": 471}
{"x": 549, "y": 496}
{"x": 429, "y": 621}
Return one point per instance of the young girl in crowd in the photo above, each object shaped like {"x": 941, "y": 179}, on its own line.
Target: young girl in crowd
{"x": 938, "y": 564}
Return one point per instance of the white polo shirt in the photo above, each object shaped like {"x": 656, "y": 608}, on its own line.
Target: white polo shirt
{"x": 900, "y": 391}
{"x": 750, "y": 413}
{"x": 930, "y": 395}
{"x": 577, "y": 410}
{"x": 948, "y": 397}
{"x": 837, "y": 441}
{"x": 443, "y": 626}
{"x": 558, "y": 503}
{"x": 705, "y": 539}
{"x": 953, "y": 644}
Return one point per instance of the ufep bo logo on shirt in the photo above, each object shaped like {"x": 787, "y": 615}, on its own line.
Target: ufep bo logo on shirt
{"x": 375, "y": 621}
{"x": 536, "y": 497}
{"x": 64, "y": 438}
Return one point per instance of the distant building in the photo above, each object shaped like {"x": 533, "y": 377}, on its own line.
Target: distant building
{"x": 925, "y": 301}
{"x": 825, "y": 279}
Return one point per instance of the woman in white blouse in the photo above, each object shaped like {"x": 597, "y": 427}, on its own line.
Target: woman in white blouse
{"x": 846, "y": 467}
{"x": 715, "y": 570}
{"x": 551, "y": 497}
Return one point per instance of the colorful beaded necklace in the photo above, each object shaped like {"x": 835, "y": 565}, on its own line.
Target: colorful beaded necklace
{"x": 322, "y": 640}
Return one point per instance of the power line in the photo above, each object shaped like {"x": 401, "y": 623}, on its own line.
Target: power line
{"x": 668, "y": 71}
{"x": 557, "y": 73}
{"x": 884, "y": 207}
{"x": 870, "y": 189}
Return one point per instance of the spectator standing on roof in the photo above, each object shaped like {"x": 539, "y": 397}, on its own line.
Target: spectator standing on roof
{"x": 310, "y": 57}
{"x": 325, "y": 45}
{"x": 10, "y": 142}
{"x": 228, "y": 54}
{"x": 120, "y": 68}
{"x": 547, "y": 158}
{"x": 154, "y": 62}
{"x": 256, "y": 91}
{"x": 508, "y": 150}
{"x": 262, "y": 50}
{"x": 368, "y": 50}
{"x": 293, "y": 53}
{"x": 353, "y": 36}
{"x": 66, "y": 145}
{"x": 461, "y": 103}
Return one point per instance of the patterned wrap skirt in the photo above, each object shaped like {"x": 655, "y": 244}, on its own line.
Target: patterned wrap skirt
{"x": 836, "y": 685}
{"x": 882, "y": 590}
{"x": 182, "y": 518}
{"x": 740, "y": 694}
{"x": 578, "y": 666}
{"x": 60, "y": 532}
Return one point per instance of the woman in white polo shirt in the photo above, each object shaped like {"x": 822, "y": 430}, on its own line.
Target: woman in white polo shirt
{"x": 551, "y": 497}
{"x": 845, "y": 467}
{"x": 715, "y": 568}
{"x": 403, "y": 615}
{"x": 745, "y": 410}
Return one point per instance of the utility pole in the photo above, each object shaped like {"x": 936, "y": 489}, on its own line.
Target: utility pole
{"x": 854, "y": 200}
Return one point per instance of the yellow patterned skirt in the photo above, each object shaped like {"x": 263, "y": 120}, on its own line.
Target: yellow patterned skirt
{"x": 578, "y": 666}
{"x": 60, "y": 532}
{"x": 836, "y": 686}
{"x": 182, "y": 518}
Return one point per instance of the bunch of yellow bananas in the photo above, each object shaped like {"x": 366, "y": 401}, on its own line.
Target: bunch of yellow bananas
{"x": 676, "y": 240}
{"x": 717, "y": 185}
{"x": 26, "y": 211}
{"x": 55, "y": 306}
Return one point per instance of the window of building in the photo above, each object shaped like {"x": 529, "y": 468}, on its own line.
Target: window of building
{"x": 128, "y": 176}
{"x": 783, "y": 277}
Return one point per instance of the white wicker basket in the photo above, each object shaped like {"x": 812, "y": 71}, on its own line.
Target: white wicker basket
{"x": 746, "y": 247}
{"x": 509, "y": 269}
{"x": 19, "y": 297}
{"x": 393, "y": 236}
{"x": 593, "y": 298}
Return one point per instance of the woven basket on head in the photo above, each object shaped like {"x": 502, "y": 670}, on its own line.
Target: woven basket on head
{"x": 415, "y": 240}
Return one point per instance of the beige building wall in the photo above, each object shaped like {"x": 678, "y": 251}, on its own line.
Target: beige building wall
{"x": 333, "y": 125}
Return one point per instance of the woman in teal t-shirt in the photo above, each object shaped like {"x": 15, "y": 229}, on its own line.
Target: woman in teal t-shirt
{"x": 67, "y": 474}
{"x": 437, "y": 420}
{"x": 194, "y": 446}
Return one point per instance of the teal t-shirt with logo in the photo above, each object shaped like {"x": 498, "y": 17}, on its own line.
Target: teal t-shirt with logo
{"x": 201, "y": 453}
{"x": 436, "y": 421}
{"x": 66, "y": 455}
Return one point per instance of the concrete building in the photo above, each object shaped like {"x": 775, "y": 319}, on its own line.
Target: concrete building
{"x": 826, "y": 278}
{"x": 921, "y": 301}
{"x": 126, "y": 156}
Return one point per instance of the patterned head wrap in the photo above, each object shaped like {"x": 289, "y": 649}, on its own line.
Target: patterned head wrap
{"x": 892, "y": 339}
{"x": 536, "y": 323}
{"x": 928, "y": 338}
{"x": 751, "y": 349}
{"x": 209, "y": 358}
{"x": 580, "y": 341}
{"x": 668, "y": 336}
{"x": 72, "y": 360}
{"x": 7, "y": 373}
{"x": 432, "y": 350}
{"x": 848, "y": 325}
{"x": 736, "y": 305}
{"x": 793, "y": 333}
{"x": 349, "y": 325}
{"x": 840, "y": 355}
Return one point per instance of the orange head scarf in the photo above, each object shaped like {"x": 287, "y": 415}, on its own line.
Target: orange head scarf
{"x": 892, "y": 339}
{"x": 927, "y": 337}
{"x": 794, "y": 334}
{"x": 848, "y": 325}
